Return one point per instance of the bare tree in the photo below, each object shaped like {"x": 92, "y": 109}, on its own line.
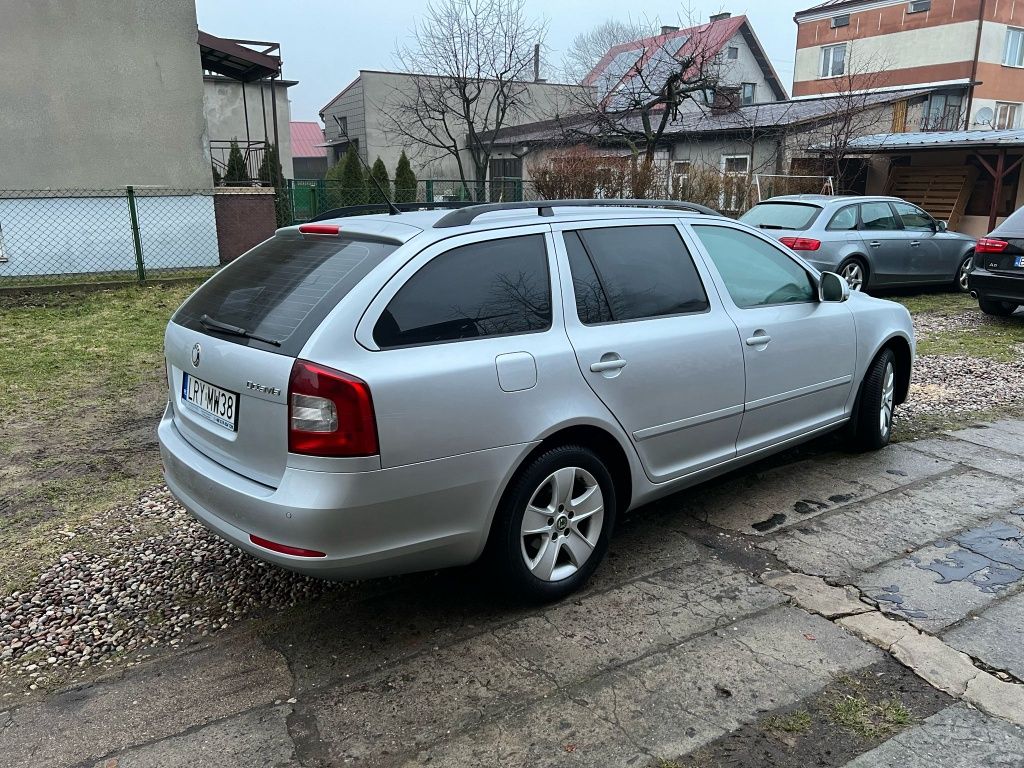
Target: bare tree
{"x": 468, "y": 64}
{"x": 588, "y": 48}
{"x": 636, "y": 96}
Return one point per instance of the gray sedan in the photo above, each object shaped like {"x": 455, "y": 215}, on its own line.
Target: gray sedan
{"x": 873, "y": 242}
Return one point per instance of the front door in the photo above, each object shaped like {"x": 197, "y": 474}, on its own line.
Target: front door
{"x": 885, "y": 243}
{"x": 654, "y": 342}
{"x": 799, "y": 353}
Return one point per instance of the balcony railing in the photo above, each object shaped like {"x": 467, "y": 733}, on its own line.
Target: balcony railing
{"x": 253, "y": 153}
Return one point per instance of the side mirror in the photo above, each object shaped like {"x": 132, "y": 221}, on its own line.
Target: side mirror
{"x": 832, "y": 287}
{"x": 941, "y": 226}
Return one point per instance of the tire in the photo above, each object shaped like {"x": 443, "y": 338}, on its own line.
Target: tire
{"x": 520, "y": 548}
{"x": 872, "y": 425}
{"x": 854, "y": 266}
{"x": 996, "y": 308}
{"x": 962, "y": 272}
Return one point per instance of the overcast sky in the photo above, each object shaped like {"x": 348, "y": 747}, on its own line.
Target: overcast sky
{"x": 324, "y": 43}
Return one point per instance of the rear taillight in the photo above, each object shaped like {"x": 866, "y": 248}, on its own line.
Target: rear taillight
{"x": 990, "y": 245}
{"x": 801, "y": 243}
{"x": 285, "y": 549}
{"x": 330, "y": 413}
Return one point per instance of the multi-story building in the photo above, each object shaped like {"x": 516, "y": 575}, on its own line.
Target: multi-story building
{"x": 971, "y": 51}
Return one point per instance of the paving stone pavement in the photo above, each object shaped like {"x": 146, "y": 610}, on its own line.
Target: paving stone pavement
{"x": 713, "y": 612}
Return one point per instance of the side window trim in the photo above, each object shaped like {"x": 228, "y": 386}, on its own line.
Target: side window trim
{"x": 856, "y": 217}
{"x": 597, "y": 273}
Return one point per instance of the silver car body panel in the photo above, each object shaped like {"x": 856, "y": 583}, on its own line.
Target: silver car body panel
{"x": 455, "y": 420}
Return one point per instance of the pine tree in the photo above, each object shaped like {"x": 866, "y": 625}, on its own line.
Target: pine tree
{"x": 405, "y": 181}
{"x": 379, "y": 173}
{"x": 353, "y": 185}
{"x": 272, "y": 175}
{"x": 236, "y": 171}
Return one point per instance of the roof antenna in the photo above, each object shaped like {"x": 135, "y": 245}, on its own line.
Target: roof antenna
{"x": 393, "y": 209}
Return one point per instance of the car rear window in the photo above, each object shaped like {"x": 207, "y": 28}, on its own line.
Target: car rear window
{"x": 797, "y": 216}
{"x": 1012, "y": 226}
{"x": 283, "y": 289}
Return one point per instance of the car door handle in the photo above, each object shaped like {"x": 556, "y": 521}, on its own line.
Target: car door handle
{"x": 608, "y": 365}
{"x": 875, "y": 244}
{"x": 758, "y": 339}
{"x": 915, "y": 243}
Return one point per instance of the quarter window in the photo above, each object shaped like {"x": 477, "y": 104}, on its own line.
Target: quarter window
{"x": 755, "y": 272}
{"x": 1013, "y": 52}
{"x": 877, "y": 216}
{"x": 914, "y": 218}
{"x": 833, "y": 60}
{"x": 492, "y": 288}
{"x": 844, "y": 220}
{"x": 630, "y": 273}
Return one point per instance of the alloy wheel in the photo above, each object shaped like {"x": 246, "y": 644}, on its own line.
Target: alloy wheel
{"x": 562, "y": 524}
{"x": 854, "y": 275}
{"x": 885, "y": 412}
{"x": 965, "y": 270}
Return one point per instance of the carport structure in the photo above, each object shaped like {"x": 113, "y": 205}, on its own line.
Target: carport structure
{"x": 970, "y": 178}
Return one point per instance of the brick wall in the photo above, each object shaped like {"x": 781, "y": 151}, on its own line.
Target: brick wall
{"x": 245, "y": 218}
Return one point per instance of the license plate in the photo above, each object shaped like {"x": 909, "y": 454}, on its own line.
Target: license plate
{"x": 212, "y": 403}
{"x": 1018, "y": 261}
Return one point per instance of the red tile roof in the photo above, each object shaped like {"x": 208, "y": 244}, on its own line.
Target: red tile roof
{"x": 305, "y": 137}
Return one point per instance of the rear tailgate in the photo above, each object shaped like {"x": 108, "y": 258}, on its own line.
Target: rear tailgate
{"x": 229, "y": 390}
{"x": 1006, "y": 261}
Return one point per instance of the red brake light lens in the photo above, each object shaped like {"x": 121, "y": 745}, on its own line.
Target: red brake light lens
{"x": 330, "y": 413}
{"x": 990, "y": 245}
{"x": 801, "y": 243}
{"x": 284, "y": 549}
{"x": 319, "y": 229}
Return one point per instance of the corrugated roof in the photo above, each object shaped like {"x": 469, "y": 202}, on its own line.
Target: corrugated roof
{"x": 939, "y": 139}
{"x": 307, "y": 138}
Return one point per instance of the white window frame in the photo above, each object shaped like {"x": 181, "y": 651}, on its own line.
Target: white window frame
{"x": 732, "y": 202}
{"x": 1013, "y": 49}
{"x": 827, "y": 62}
{"x": 753, "y": 94}
{"x": 842, "y": 20}
{"x": 1012, "y": 109}
{"x": 678, "y": 175}
{"x": 730, "y": 51}
{"x": 919, "y": 6}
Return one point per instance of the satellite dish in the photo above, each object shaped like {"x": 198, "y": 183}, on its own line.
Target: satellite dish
{"x": 984, "y": 116}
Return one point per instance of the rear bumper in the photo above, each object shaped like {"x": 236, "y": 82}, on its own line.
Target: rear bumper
{"x": 995, "y": 287}
{"x": 376, "y": 523}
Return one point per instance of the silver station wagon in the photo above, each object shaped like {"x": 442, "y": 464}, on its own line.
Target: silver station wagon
{"x": 376, "y": 394}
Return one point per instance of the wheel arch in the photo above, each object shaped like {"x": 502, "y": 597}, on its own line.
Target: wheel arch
{"x": 904, "y": 363}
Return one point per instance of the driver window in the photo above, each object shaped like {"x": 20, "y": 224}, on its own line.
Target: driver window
{"x": 914, "y": 218}
{"x": 755, "y": 272}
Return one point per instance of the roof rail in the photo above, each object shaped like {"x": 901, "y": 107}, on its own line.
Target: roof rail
{"x": 466, "y": 214}
{"x": 362, "y": 210}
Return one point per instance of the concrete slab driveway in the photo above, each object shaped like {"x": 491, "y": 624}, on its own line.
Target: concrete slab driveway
{"x": 821, "y": 609}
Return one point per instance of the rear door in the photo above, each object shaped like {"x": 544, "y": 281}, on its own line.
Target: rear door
{"x": 885, "y": 242}
{"x": 799, "y": 353}
{"x": 229, "y": 392}
{"x": 653, "y": 342}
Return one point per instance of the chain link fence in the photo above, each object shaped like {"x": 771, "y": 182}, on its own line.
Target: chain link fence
{"x": 98, "y": 235}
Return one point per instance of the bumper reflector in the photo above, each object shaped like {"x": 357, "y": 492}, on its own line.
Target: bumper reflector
{"x": 284, "y": 549}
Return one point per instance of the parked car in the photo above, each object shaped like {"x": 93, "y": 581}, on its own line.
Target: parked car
{"x": 379, "y": 394}
{"x": 873, "y": 242}
{"x": 997, "y": 280}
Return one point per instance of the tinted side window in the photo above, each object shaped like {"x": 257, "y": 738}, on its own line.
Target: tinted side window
{"x": 877, "y": 216}
{"x": 913, "y": 218}
{"x": 492, "y": 288}
{"x": 644, "y": 271}
{"x": 591, "y": 302}
{"x": 755, "y": 272}
{"x": 844, "y": 219}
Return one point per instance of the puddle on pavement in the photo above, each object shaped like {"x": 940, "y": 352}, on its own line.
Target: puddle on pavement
{"x": 990, "y": 557}
{"x": 892, "y": 596}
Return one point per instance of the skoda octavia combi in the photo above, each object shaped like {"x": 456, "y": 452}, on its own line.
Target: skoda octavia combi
{"x": 377, "y": 394}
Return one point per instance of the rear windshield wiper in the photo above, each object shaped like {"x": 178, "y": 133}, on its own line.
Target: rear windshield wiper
{"x": 233, "y": 330}
{"x": 771, "y": 226}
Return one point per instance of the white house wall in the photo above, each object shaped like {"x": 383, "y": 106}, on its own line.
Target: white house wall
{"x": 225, "y": 114}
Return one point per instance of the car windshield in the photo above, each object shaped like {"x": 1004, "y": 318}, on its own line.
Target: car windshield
{"x": 781, "y": 215}
{"x": 277, "y": 293}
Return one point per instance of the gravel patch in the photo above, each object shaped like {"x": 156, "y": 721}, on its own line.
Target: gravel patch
{"x": 87, "y": 608}
{"x": 949, "y": 384}
{"x": 929, "y": 323}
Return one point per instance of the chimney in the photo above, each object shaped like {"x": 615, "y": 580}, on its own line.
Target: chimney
{"x": 536, "y": 63}
{"x": 666, "y": 30}
{"x": 727, "y": 99}
{"x": 720, "y": 16}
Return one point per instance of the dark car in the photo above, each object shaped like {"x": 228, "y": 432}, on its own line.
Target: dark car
{"x": 997, "y": 280}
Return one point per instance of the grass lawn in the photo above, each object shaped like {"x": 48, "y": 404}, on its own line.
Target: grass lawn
{"x": 83, "y": 388}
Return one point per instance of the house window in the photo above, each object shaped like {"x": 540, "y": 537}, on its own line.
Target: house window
{"x": 747, "y": 93}
{"x": 1006, "y": 115}
{"x": 843, "y": 20}
{"x": 833, "y": 60}
{"x": 919, "y": 6}
{"x": 1013, "y": 53}
{"x": 732, "y": 52}
{"x": 680, "y": 176}
{"x": 734, "y": 182}
{"x": 943, "y": 113}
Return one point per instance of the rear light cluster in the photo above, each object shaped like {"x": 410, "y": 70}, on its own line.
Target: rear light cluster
{"x": 330, "y": 413}
{"x": 990, "y": 245}
{"x": 801, "y": 243}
